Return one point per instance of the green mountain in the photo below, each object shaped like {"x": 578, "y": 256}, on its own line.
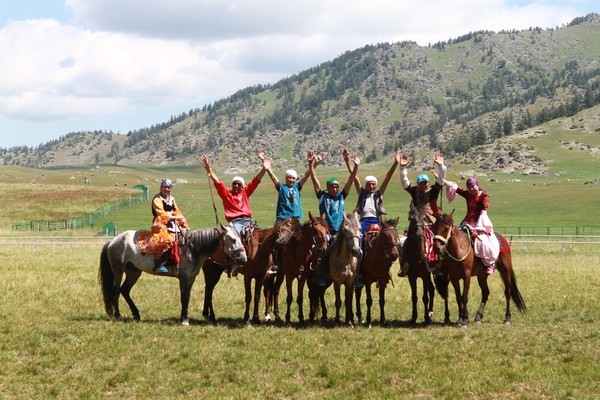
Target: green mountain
{"x": 461, "y": 96}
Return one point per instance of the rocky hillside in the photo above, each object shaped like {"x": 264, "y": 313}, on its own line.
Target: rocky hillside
{"x": 463, "y": 96}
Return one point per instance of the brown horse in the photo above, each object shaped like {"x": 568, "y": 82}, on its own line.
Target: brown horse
{"x": 381, "y": 252}
{"x": 299, "y": 258}
{"x": 460, "y": 263}
{"x": 258, "y": 249}
{"x": 415, "y": 253}
{"x": 122, "y": 258}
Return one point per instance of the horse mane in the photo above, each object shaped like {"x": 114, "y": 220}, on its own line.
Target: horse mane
{"x": 446, "y": 219}
{"x": 204, "y": 241}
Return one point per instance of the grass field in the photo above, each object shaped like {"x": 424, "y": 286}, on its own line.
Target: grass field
{"x": 57, "y": 342}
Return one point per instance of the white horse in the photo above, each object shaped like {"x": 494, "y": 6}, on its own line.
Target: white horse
{"x": 121, "y": 256}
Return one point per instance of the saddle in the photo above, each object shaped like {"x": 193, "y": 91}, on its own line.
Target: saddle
{"x": 155, "y": 242}
{"x": 246, "y": 232}
{"x": 370, "y": 235}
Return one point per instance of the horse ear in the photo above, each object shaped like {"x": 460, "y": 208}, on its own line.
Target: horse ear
{"x": 310, "y": 215}
{"x": 222, "y": 227}
{"x": 452, "y": 213}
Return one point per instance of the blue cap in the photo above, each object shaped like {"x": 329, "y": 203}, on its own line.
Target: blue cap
{"x": 422, "y": 178}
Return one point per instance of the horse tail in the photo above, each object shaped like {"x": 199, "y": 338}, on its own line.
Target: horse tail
{"x": 106, "y": 277}
{"x": 441, "y": 284}
{"x": 516, "y": 295}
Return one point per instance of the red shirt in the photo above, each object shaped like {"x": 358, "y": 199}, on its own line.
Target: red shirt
{"x": 475, "y": 204}
{"x": 237, "y": 205}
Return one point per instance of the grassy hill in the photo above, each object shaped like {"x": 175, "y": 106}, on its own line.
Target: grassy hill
{"x": 567, "y": 194}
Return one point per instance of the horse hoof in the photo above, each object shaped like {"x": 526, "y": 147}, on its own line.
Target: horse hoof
{"x": 185, "y": 322}
{"x": 268, "y": 318}
{"x": 507, "y": 322}
{"x": 478, "y": 321}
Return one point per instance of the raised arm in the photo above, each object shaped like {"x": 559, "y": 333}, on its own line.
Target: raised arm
{"x": 346, "y": 156}
{"x": 266, "y": 164}
{"x": 403, "y": 161}
{"x": 389, "y": 174}
{"x": 310, "y": 157}
{"x": 205, "y": 162}
{"x": 441, "y": 175}
{"x": 353, "y": 174}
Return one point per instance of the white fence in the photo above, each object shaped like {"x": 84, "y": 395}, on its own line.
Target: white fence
{"x": 518, "y": 243}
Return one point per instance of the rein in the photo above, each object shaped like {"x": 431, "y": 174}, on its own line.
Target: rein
{"x": 445, "y": 240}
{"x": 212, "y": 197}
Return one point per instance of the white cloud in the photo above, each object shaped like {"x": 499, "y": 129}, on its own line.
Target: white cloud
{"x": 115, "y": 58}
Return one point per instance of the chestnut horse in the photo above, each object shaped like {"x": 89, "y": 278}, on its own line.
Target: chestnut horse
{"x": 258, "y": 249}
{"x": 415, "y": 253}
{"x": 460, "y": 263}
{"x": 121, "y": 257}
{"x": 381, "y": 252}
{"x": 299, "y": 258}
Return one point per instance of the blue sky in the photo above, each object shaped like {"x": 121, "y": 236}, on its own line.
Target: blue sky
{"x": 120, "y": 65}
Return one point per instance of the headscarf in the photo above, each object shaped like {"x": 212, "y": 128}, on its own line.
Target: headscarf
{"x": 292, "y": 173}
{"x": 166, "y": 183}
{"x": 370, "y": 178}
{"x": 238, "y": 179}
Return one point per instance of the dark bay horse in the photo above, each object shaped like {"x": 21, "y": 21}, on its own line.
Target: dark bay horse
{"x": 460, "y": 263}
{"x": 343, "y": 265}
{"x": 258, "y": 249}
{"x": 415, "y": 253}
{"x": 380, "y": 253}
{"x": 121, "y": 256}
{"x": 298, "y": 259}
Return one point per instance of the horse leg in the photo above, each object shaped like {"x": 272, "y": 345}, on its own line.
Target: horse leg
{"x": 289, "y": 298}
{"x": 429, "y": 299}
{"x": 323, "y": 304}
{"x": 425, "y": 300}
{"x": 412, "y": 280}
{"x": 300, "y": 299}
{"x": 269, "y": 293}
{"x": 457, "y": 293}
{"x": 338, "y": 302}
{"x": 485, "y": 294}
{"x": 465, "y": 301}
{"x": 369, "y": 303}
{"x": 212, "y": 276}
{"x": 131, "y": 276}
{"x": 186, "y": 281}
{"x": 358, "y": 295}
{"x": 349, "y": 296}
{"x": 247, "y": 297}
{"x": 257, "y": 290}
{"x": 382, "y": 319}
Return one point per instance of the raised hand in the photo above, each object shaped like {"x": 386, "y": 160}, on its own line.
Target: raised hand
{"x": 205, "y": 162}
{"x": 403, "y": 160}
{"x": 439, "y": 158}
{"x": 261, "y": 154}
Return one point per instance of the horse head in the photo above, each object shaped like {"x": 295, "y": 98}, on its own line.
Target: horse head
{"x": 389, "y": 236}
{"x": 442, "y": 229}
{"x": 232, "y": 244}
{"x": 350, "y": 232}
{"x": 416, "y": 226}
{"x": 287, "y": 229}
{"x": 319, "y": 231}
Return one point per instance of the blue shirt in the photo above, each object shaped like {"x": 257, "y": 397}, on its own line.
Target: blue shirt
{"x": 333, "y": 208}
{"x": 289, "y": 201}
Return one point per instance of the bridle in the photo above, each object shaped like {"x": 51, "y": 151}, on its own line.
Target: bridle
{"x": 445, "y": 240}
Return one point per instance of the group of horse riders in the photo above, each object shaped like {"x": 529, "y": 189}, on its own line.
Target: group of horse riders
{"x": 168, "y": 219}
